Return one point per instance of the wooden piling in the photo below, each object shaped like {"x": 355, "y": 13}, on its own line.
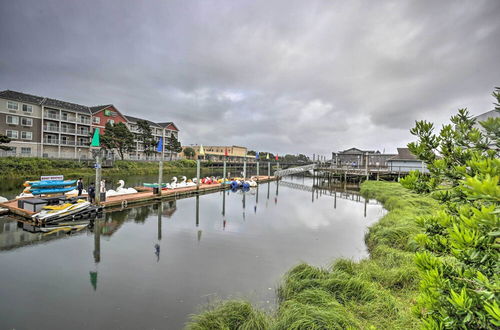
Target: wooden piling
{"x": 160, "y": 176}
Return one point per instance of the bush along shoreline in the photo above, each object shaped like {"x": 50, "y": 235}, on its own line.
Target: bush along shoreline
{"x": 14, "y": 167}
{"x": 378, "y": 292}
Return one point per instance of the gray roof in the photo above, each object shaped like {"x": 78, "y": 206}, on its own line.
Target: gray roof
{"x": 404, "y": 154}
{"x": 21, "y": 97}
{"x": 135, "y": 120}
{"x": 356, "y": 151}
{"x": 489, "y": 114}
{"x": 28, "y": 98}
{"x": 98, "y": 108}
{"x": 165, "y": 124}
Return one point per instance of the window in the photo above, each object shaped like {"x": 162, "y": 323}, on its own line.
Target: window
{"x": 12, "y": 105}
{"x": 12, "y": 134}
{"x": 27, "y": 108}
{"x": 26, "y": 135}
{"x": 111, "y": 121}
{"x": 25, "y": 150}
{"x": 96, "y": 120}
{"x": 12, "y": 120}
{"x": 26, "y": 121}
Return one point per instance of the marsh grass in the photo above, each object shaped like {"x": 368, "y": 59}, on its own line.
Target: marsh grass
{"x": 378, "y": 292}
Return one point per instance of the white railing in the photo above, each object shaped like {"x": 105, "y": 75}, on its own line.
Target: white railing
{"x": 67, "y": 130}
{"x": 71, "y": 119}
{"x": 82, "y": 132}
{"x": 51, "y": 116}
{"x": 51, "y": 128}
{"x": 295, "y": 170}
{"x": 84, "y": 121}
{"x": 67, "y": 143}
{"x": 51, "y": 141}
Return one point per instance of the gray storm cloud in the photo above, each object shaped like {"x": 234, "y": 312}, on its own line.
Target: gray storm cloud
{"x": 285, "y": 76}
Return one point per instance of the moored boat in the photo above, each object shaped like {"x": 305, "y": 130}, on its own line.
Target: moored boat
{"x": 49, "y": 183}
{"x": 53, "y": 212}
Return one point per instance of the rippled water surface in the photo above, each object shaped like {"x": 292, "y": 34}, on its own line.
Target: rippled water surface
{"x": 150, "y": 267}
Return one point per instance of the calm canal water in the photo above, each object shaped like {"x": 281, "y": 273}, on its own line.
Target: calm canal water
{"x": 151, "y": 267}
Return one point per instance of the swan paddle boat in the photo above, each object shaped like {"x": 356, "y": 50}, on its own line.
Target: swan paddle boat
{"x": 120, "y": 190}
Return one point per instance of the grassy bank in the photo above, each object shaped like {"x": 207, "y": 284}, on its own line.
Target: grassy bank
{"x": 378, "y": 292}
{"x": 11, "y": 167}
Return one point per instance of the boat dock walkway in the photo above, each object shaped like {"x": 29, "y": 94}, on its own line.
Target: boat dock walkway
{"x": 145, "y": 195}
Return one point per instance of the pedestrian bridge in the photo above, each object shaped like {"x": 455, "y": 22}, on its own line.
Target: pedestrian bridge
{"x": 295, "y": 170}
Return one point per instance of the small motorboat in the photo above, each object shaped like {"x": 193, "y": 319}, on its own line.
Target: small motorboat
{"x": 54, "y": 212}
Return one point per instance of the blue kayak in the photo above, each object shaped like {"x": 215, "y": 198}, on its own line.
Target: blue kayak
{"x": 47, "y": 191}
{"x": 51, "y": 183}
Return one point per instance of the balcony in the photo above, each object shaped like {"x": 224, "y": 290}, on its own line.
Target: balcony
{"x": 51, "y": 116}
{"x": 50, "y": 128}
{"x": 85, "y": 121}
{"x": 82, "y": 143}
{"x": 83, "y": 132}
{"x": 67, "y": 130}
{"x": 68, "y": 143}
{"x": 70, "y": 119}
{"x": 51, "y": 141}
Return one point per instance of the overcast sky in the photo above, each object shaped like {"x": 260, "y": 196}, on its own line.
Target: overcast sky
{"x": 284, "y": 76}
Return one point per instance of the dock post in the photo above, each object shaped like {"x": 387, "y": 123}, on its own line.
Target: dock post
{"x": 197, "y": 174}
{"x": 268, "y": 170}
{"x": 160, "y": 177}
{"x": 98, "y": 178}
{"x": 244, "y": 169}
{"x": 224, "y": 173}
{"x": 223, "y": 203}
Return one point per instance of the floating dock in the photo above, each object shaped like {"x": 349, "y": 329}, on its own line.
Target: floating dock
{"x": 145, "y": 195}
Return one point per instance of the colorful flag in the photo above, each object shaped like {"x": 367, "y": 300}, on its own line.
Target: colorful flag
{"x": 202, "y": 151}
{"x": 95, "y": 139}
{"x": 159, "y": 146}
{"x": 225, "y": 152}
{"x": 267, "y": 157}
{"x": 257, "y": 155}
{"x": 276, "y": 156}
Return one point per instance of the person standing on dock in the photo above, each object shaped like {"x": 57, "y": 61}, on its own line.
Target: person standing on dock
{"x": 91, "y": 192}
{"x": 79, "y": 186}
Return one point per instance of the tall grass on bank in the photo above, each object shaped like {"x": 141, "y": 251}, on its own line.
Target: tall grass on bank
{"x": 30, "y": 167}
{"x": 378, "y": 292}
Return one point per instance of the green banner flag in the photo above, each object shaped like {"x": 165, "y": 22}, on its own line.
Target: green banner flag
{"x": 95, "y": 139}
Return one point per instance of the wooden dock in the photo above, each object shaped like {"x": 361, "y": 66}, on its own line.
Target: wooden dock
{"x": 146, "y": 195}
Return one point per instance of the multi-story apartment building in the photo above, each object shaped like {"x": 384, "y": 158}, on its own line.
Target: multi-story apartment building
{"x": 45, "y": 127}
{"x": 159, "y": 130}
